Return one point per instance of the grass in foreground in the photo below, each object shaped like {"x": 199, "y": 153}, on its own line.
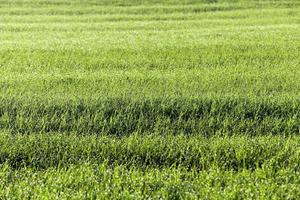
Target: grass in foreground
{"x": 136, "y": 167}
{"x": 87, "y": 181}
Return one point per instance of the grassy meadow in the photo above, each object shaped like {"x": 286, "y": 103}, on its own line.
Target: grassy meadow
{"x": 149, "y": 99}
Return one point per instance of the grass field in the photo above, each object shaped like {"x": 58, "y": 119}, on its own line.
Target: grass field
{"x": 128, "y": 99}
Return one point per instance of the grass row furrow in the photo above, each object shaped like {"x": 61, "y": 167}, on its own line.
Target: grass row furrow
{"x": 88, "y": 181}
{"x": 117, "y": 116}
{"x": 54, "y": 150}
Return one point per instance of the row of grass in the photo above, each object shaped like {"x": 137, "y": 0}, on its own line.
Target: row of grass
{"x": 148, "y": 3}
{"x": 236, "y": 153}
{"x": 205, "y": 116}
{"x": 89, "y": 181}
{"x": 180, "y": 16}
{"x": 269, "y": 82}
{"x": 228, "y": 53}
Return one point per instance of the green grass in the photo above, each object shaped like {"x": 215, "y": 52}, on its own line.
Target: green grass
{"x": 149, "y": 99}
{"x": 101, "y": 181}
{"x": 205, "y": 116}
{"x": 236, "y": 153}
{"x": 150, "y": 165}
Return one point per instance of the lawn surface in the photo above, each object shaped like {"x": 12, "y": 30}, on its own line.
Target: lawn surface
{"x": 131, "y": 99}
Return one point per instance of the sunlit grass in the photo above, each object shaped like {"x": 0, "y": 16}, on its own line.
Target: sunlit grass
{"x": 149, "y": 99}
